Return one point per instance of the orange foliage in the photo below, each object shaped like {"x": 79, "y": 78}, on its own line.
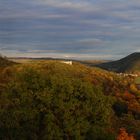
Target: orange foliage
{"x": 123, "y": 135}
{"x": 128, "y": 96}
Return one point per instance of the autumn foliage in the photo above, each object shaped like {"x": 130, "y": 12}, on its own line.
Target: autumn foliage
{"x": 58, "y": 101}
{"x": 123, "y": 135}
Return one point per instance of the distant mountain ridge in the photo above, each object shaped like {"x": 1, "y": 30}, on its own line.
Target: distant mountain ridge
{"x": 130, "y": 64}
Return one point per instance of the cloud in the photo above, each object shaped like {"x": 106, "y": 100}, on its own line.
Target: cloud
{"x": 36, "y": 54}
{"x": 77, "y": 5}
{"x": 102, "y": 27}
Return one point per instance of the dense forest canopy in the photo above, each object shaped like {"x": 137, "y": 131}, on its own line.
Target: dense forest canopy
{"x": 47, "y": 100}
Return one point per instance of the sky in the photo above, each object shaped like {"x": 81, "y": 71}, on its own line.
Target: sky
{"x": 77, "y": 29}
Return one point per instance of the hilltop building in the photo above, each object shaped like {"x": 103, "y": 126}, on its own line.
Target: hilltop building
{"x": 67, "y": 62}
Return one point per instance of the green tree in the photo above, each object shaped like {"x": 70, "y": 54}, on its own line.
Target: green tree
{"x": 38, "y": 105}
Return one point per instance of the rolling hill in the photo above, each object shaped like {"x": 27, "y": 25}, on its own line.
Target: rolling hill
{"x": 130, "y": 64}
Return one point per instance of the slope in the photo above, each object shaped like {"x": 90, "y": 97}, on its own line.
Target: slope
{"x": 131, "y": 64}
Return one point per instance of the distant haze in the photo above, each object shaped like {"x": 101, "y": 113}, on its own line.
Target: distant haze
{"x": 78, "y": 29}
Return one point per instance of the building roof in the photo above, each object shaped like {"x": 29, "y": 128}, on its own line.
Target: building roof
{"x": 137, "y": 80}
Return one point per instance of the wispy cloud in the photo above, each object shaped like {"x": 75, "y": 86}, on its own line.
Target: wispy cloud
{"x": 86, "y": 28}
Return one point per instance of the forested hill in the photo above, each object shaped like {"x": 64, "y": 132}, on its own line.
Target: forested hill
{"x": 130, "y": 64}
{"x": 51, "y": 100}
{"x": 5, "y": 62}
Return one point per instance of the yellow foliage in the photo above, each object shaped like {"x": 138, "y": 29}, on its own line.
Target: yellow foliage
{"x": 133, "y": 88}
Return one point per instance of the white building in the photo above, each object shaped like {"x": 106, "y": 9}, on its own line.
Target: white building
{"x": 67, "y": 62}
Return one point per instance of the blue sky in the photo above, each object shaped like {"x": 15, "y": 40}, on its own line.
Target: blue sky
{"x": 79, "y": 29}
